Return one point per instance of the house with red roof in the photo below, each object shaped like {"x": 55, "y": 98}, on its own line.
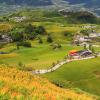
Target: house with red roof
{"x": 74, "y": 54}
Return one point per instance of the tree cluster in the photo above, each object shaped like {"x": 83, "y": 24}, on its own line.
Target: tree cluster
{"x": 27, "y": 32}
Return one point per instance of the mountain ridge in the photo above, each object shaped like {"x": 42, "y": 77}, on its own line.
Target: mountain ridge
{"x": 27, "y": 2}
{"x": 91, "y": 5}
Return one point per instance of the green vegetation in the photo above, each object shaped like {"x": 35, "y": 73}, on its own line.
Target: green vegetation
{"x": 20, "y": 85}
{"x": 78, "y": 74}
{"x": 80, "y": 17}
{"x": 39, "y": 56}
{"x": 44, "y": 38}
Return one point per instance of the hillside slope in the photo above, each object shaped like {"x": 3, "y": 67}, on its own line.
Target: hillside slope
{"x": 20, "y": 85}
{"x": 83, "y": 74}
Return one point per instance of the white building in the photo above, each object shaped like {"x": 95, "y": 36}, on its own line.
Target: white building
{"x": 94, "y": 35}
{"x": 5, "y": 39}
{"x": 81, "y": 39}
{"x": 18, "y": 19}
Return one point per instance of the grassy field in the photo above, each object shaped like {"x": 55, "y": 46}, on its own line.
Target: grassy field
{"x": 5, "y": 27}
{"x": 40, "y": 56}
{"x": 57, "y": 30}
{"x": 78, "y": 74}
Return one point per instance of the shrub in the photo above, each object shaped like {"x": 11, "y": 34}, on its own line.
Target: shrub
{"x": 68, "y": 34}
{"x": 1, "y": 84}
{"x": 21, "y": 66}
{"x": 23, "y": 91}
{"x": 40, "y": 30}
{"x": 1, "y": 46}
{"x": 29, "y": 28}
{"x": 49, "y": 39}
{"x": 59, "y": 83}
{"x": 5, "y": 96}
{"x": 25, "y": 44}
{"x": 55, "y": 46}
{"x": 40, "y": 40}
{"x": 17, "y": 36}
{"x": 59, "y": 46}
{"x": 28, "y": 68}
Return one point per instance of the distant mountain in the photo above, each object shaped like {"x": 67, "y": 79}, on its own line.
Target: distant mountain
{"x": 87, "y": 3}
{"x": 27, "y": 2}
{"x": 92, "y": 5}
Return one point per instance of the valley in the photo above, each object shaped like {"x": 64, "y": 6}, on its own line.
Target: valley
{"x": 38, "y": 39}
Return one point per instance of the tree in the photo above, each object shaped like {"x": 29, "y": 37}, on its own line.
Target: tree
{"x": 24, "y": 43}
{"x": 17, "y": 36}
{"x": 40, "y": 30}
{"x": 40, "y": 40}
{"x": 67, "y": 34}
{"x": 29, "y": 28}
{"x": 32, "y": 35}
{"x": 56, "y": 46}
{"x": 18, "y": 47}
{"x": 49, "y": 39}
{"x": 85, "y": 32}
{"x": 59, "y": 46}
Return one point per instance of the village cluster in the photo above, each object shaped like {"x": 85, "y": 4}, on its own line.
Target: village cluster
{"x": 78, "y": 39}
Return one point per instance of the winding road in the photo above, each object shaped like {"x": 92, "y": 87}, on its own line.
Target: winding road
{"x": 59, "y": 65}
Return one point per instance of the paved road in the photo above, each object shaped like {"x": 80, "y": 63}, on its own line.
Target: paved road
{"x": 58, "y": 66}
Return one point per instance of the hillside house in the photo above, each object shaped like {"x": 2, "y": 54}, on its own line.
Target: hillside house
{"x": 80, "y": 39}
{"x": 18, "y": 19}
{"x": 89, "y": 26}
{"x": 5, "y": 39}
{"x": 94, "y": 35}
{"x": 74, "y": 54}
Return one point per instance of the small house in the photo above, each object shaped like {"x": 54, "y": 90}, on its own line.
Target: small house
{"x": 5, "y": 39}
{"x": 18, "y": 19}
{"x": 94, "y": 35}
{"x": 80, "y": 39}
{"x": 74, "y": 54}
